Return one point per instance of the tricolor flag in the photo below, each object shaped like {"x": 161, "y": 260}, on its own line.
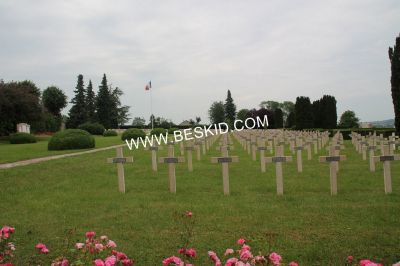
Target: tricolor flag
{"x": 148, "y": 86}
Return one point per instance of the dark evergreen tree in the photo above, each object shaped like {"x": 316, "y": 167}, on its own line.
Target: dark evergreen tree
{"x": 77, "y": 113}
{"x": 104, "y": 105}
{"x": 216, "y": 112}
{"x": 278, "y": 117}
{"x": 317, "y": 114}
{"x": 91, "y": 103}
{"x": 230, "y": 110}
{"x": 119, "y": 112}
{"x": 394, "y": 56}
{"x": 261, "y": 113}
{"x": 303, "y": 113}
{"x": 328, "y": 112}
{"x": 290, "y": 120}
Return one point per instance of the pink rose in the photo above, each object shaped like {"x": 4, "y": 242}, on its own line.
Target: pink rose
{"x": 350, "y": 259}
{"x": 79, "y": 245}
{"x": 104, "y": 238}
{"x": 189, "y": 214}
{"x": 213, "y": 256}
{"x": 231, "y": 262}
{"x": 40, "y": 246}
{"x": 110, "y": 261}
{"x": 99, "y": 262}
{"x": 99, "y": 247}
{"x": 228, "y": 251}
{"x": 293, "y": 263}
{"x": 369, "y": 263}
{"x": 90, "y": 234}
{"x": 127, "y": 262}
{"x": 396, "y": 264}
{"x": 275, "y": 258}
{"x": 121, "y": 256}
{"x": 191, "y": 252}
{"x": 245, "y": 255}
{"x": 173, "y": 259}
{"x": 241, "y": 241}
{"x": 44, "y": 250}
{"x": 111, "y": 244}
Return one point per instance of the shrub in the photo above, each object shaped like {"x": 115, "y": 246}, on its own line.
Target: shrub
{"x": 110, "y": 133}
{"x": 21, "y": 138}
{"x": 158, "y": 131}
{"x": 93, "y": 128}
{"x": 71, "y": 139}
{"x": 133, "y": 133}
{"x": 172, "y": 129}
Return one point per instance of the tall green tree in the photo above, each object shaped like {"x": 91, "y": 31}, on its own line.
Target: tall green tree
{"x": 120, "y": 113}
{"x": 77, "y": 113}
{"x": 19, "y": 102}
{"x": 91, "y": 103}
{"x": 104, "y": 105}
{"x": 230, "y": 110}
{"x": 317, "y": 114}
{"x": 278, "y": 118}
{"x": 328, "y": 111}
{"x": 394, "y": 56}
{"x": 139, "y": 122}
{"x": 216, "y": 112}
{"x": 349, "y": 120}
{"x": 54, "y": 100}
{"x": 303, "y": 113}
{"x": 290, "y": 120}
{"x": 243, "y": 114}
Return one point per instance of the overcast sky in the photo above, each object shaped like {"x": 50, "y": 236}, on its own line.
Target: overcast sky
{"x": 194, "y": 51}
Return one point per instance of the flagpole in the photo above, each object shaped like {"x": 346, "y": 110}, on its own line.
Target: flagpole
{"x": 151, "y": 109}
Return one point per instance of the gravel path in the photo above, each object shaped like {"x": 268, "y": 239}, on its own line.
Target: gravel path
{"x": 54, "y": 157}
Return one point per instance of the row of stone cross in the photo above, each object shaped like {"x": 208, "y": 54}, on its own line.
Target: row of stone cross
{"x": 258, "y": 142}
{"x": 371, "y": 143}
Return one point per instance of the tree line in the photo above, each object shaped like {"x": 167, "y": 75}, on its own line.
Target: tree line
{"x": 104, "y": 108}
{"x": 24, "y": 102}
{"x": 303, "y": 114}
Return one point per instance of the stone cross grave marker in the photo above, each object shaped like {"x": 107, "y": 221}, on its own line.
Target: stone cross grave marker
{"x": 299, "y": 148}
{"x": 225, "y": 160}
{"x": 262, "y": 148}
{"x": 386, "y": 159}
{"x": 333, "y": 159}
{"x": 120, "y": 160}
{"x": 198, "y": 145}
{"x": 278, "y": 159}
{"x": 189, "y": 151}
{"x": 154, "y": 149}
{"x": 171, "y": 160}
{"x": 371, "y": 148}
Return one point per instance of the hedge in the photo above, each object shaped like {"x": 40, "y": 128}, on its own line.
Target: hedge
{"x": 21, "y": 138}
{"x": 110, "y": 133}
{"x": 158, "y": 131}
{"x": 133, "y": 133}
{"x": 71, "y": 139}
{"x": 92, "y": 128}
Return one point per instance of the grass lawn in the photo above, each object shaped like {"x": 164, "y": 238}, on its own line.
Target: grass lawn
{"x": 44, "y": 201}
{"x": 17, "y": 152}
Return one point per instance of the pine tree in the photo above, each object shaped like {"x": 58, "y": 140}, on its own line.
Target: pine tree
{"x": 77, "y": 113}
{"x": 394, "y": 56}
{"x": 104, "y": 104}
{"x": 328, "y": 112}
{"x": 90, "y": 103}
{"x": 230, "y": 110}
{"x": 303, "y": 113}
{"x": 278, "y": 115}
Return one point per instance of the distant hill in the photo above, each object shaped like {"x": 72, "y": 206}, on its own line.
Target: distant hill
{"x": 383, "y": 123}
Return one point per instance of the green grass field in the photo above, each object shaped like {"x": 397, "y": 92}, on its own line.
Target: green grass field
{"x": 44, "y": 201}
{"x": 17, "y": 152}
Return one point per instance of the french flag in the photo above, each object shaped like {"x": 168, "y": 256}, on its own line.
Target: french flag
{"x": 148, "y": 86}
